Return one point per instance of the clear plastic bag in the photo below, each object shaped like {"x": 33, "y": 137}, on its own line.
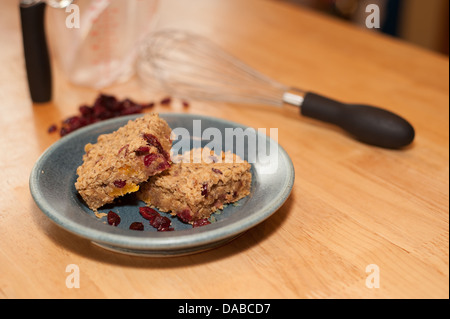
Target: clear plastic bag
{"x": 95, "y": 42}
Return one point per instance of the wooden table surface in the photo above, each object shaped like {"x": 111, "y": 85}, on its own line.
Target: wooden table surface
{"x": 352, "y": 205}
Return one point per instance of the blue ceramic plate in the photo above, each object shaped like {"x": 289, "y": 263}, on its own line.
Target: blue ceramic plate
{"x": 54, "y": 174}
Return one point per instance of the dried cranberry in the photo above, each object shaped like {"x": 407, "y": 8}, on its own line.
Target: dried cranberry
{"x": 64, "y": 131}
{"x": 120, "y": 183}
{"x": 85, "y": 110}
{"x": 52, "y": 128}
{"x": 148, "y": 213}
{"x": 166, "y": 101}
{"x": 218, "y": 171}
{"x": 113, "y": 218}
{"x": 161, "y": 223}
{"x": 143, "y": 150}
{"x": 185, "y": 104}
{"x": 107, "y": 106}
{"x": 149, "y": 159}
{"x": 131, "y": 108}
{"x": 148, "y": 105}
{"x": 127, "y": 103}
{"x": 74, "y": 122}
{"x": 185, "y": 215}
{"x": 101, "y": 112}
{"x": 201, "y": 222}
{"x": 104, "y": 107}
{"x": 163, "y": 166}
{"x": 205, "y": 191}
{"x": 137, "y": 226}
{"x": 107, "y": 101}
{"x": 153, "y": 141}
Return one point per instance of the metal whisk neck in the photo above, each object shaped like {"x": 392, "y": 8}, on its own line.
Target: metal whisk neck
{"x": 294, "y": 96}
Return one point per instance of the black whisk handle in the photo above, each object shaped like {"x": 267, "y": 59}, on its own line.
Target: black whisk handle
{"x": 368, "y": 124}
{"x": 36, "y": 53}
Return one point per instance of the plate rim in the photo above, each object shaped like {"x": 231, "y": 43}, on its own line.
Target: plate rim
{"x": 162, "y": 241}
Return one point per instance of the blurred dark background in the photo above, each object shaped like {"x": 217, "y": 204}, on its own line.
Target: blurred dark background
{"x": 424, "y": 23}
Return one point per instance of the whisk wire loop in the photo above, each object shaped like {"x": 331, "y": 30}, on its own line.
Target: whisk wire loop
{"x": 190, "y": 66}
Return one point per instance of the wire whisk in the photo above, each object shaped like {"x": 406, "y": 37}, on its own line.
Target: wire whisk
{"x": 189, "y": 66}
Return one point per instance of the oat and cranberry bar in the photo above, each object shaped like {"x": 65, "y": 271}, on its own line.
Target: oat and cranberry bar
{"x": 120, "y": 161}
{"x": 194, "y": 189}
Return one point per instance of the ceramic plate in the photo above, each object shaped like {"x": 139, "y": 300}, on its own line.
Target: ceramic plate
{"x": 54, "y": 174}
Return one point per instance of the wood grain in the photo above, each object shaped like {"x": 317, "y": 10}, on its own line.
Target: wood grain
{"x": 352, "y": 205}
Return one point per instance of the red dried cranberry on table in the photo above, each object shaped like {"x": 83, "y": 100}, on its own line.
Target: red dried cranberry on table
{"x": 52, "y": 128}
{"x": 166, "y": 101}
{"x": 105, "y": 107}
